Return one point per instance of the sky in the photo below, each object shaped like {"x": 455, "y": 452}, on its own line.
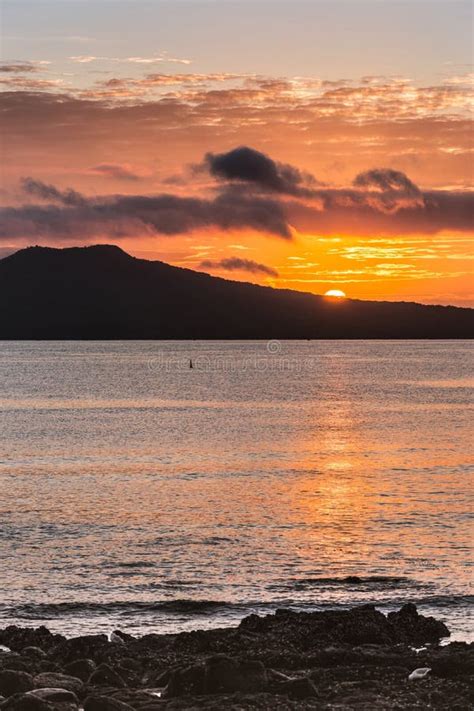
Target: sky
{"x": 298, "y": 144}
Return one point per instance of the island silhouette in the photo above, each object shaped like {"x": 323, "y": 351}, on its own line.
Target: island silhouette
{"x": 101, "y": 292}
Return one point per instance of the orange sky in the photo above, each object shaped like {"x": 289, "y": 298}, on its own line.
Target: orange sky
{"x": 130, "y": 138}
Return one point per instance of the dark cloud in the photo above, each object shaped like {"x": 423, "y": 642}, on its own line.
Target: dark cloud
{"x": 78, "y": 216}
{"x": 381, "y": 201}
{"x": 247, "y": 165}
{"x": 116, "y": 171}
{"x": 361, "y": 213}
{"x": 385, "y": 180}
{"x": 232, "y": 264}
{"x": 41, "y": 190}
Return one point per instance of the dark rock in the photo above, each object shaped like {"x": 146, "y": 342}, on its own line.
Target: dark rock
{"x": 225, "y": 674}
{"x": 219, "y": 674}
{"x": 19, "y": 637}
{"x": 16, "y": 662}
{"x": 453, "y": 661}
{"x": 415, "y": 628}
{"x": 54, "y": 680}
{"x": 301, "y": 688}
{"x": 81, "y": 668}
{"x": 55, "y": 695}
{"x": 15, "y": 682}
{"x": 338, "y": 659}
{"x": 186, "y": 682}
{"x": 26, "y": 702}
{"x": 86, "y": 647}
{"x": 33, "y": 652}
{"x": 254, "y": 623}
{"x": 105, "y": 703}
{"x": 131, "y": 664}
{"x": 104, "y": 675}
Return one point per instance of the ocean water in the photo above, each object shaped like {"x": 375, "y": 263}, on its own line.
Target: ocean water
{"x": 139, "y": 493}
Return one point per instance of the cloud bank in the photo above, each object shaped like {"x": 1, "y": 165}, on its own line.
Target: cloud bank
{"x": 252, "y": 192}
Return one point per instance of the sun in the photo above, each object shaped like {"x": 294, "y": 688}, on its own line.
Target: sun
{"x": 337, "y": 293}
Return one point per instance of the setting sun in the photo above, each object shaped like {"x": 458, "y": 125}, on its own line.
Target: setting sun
{"x": 337, "y": 293}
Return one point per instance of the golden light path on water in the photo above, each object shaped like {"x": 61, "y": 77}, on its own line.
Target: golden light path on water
{"x": 140, "y": 494}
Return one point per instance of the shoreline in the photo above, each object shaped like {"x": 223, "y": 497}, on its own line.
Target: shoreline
{"x": 358, "y": 658}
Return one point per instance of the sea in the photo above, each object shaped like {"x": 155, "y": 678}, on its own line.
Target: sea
{"x": 158, "y": 486}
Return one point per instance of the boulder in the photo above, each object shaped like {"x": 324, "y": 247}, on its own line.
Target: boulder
{"x": 186, "y": 682}
{"x": 25, "y": 702}
{"x": 15, "y": 682}
{"x": 105, "y": 703}
{"x": 224, "y": 674}
{"x": 55, "y": 695}
{"x": 54, "y": 680}
{"x": 17, "y": 638}
{"x": 33, "y": 652}
{"x": 86, "y": 647}
{"x": 106, "y": 676}
{"x": 217, "y": 675}
{"x": 415, "y": 628}
{"x": 301, "y": 688}
{"x": 81, "y": 668}
{"x": 59, "y": 699}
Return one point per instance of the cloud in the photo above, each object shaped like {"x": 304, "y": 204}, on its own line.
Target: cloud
{"x": 17, "y": 82}
{"x": 232, "y": 264}
{"x": 18, "y": 67}
{"x": 265, "y": 198}
{"x": 247, "y": 165}
{"x": 385, "y": 179}
{"x": 116, "y": 171}
{"x": 161, "y": 58}
{"x": 73, "y": 215}
{"x": 365, "y": 214}
{"x": 41, "y": 190}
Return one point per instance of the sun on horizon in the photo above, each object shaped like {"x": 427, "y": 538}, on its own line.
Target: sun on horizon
{"x": 336, "y": 293}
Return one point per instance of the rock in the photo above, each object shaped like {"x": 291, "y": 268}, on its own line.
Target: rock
{"x": 453, "y": 661}
{"x": 219, "y": 674}
{"x": 81, "y": 668}
{"x": 86, "y": 647}
{"x": 350, "y": 660}
{"x": 301, "y": 688}
{"x": 59, "y": 699}
{"x": 33, "y": 652}
{"x": 15, "y": 682}
{"x": 54, "y": 695}
{"x": 416, "y": 628}
{"x": 106, "y": 676}
{"x": 25, "y": 702}
{"x": 105, "y": 703}
{"x": 186, "y": 682}
{"x": 17, "y": 663}
{"x": 226, "y": 674}
{"x": 49, "y": 680}
{"x": 16, "y": 638}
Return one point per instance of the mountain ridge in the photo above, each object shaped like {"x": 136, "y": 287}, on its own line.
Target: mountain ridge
{"x": 102, "y": 292}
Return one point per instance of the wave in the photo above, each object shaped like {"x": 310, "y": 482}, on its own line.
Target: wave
{"x": 210, "y": 608}
{"x": 85, "y": 609}
{"x": 371, "y": 581}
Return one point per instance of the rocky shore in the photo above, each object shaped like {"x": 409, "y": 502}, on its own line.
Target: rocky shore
{"x": 354, "y": 659}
